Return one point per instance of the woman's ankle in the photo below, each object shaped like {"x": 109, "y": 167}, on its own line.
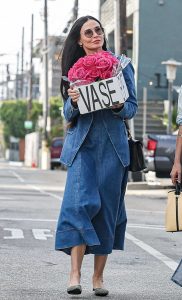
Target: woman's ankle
{"x": 97, "y": 280}
{"x": 75, "y": 277}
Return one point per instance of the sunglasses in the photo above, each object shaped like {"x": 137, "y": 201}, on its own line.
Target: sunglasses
{"x": 89, "y": 32}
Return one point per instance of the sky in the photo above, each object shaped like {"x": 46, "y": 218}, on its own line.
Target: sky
{"x": 15, "y": 14}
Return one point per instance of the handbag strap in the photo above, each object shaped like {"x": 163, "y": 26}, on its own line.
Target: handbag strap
{"x": 128, "y": 129}
{"x": 177, "y": 188}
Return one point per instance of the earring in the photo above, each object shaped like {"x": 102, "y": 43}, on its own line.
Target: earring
{"x": 81, "y": 45}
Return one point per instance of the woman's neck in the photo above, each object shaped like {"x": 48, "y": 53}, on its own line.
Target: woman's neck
{"x": 88, "y": 52}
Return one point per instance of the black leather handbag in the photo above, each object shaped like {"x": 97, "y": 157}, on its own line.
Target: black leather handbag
{"x": 137, "y": 159}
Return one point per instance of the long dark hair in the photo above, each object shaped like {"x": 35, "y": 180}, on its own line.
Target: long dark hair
{"x": 72, "y": 51}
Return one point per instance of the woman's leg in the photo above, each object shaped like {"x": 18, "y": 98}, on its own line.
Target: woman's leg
{"x": 77, "y": 254}
{"x": 99, "y": 264}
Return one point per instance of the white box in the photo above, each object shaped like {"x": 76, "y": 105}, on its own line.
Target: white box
{"x": 102, "y": 94}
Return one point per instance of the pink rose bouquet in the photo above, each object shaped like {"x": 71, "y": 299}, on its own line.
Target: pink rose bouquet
{"x": 93, "y": 67}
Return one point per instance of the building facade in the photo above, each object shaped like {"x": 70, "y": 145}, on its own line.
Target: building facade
{"x": 154, "y": 35}
{"x": 54, "y": 66}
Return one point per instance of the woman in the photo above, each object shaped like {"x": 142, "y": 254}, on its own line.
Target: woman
{"x": 96, "y": 152}
{"x": 176, "y": 175}
{"x": 176, "y": 169}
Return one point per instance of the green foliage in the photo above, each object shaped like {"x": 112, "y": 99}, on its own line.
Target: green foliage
{"x": 13, "y": 114}
{"x": 174, "y": 115}
{"x": 56, "y": 106}
{"x": 35, "y": 112}
{"x": 165, "y": 119}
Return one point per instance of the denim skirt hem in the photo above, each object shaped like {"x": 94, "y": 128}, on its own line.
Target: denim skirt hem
{"x": 89, "y": 238}
{"x": 78, "y": 237}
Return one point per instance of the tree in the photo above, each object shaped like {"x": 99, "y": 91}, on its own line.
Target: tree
{"x": 56, "y": 105}
{"x": 13, "y": 114}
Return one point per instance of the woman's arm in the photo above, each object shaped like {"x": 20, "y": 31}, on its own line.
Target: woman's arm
{"x": 70, "y": 112}
{"x": 128, "y": 110}
{"x": 177, "y": 169}
{"x": 70, "y": 105}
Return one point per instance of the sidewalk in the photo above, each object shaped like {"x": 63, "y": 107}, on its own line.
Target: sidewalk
{"x": 151, "y": 183}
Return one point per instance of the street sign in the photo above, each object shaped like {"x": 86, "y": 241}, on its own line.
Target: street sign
{"x": 28, "y": 124}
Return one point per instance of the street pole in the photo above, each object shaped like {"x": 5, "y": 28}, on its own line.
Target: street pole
{"x": 171, "y": 66}
{"x": 144, "y": 110}
{"x": 120, "y": 36}
{"x": 45, "y": 63}
{"x": 17, "y": 76}
{"x": 29, "y": 107}
{"x": 45, "y": 163}
{"x": 22, "y": 63}
{"x": 123, "y": 27}
{"x": 170, "y": 89}
{"x": 75, "y": 10}
{"x": 117, "y": 39}
{"x": 7, "y": 81}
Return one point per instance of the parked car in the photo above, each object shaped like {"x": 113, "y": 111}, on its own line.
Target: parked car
{"x": 55, "y": 151}
{"x": 159, "y": 150}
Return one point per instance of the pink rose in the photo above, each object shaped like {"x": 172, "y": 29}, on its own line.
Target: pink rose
{"x": 104, "y": 63}
{"x": 80, "y": 73}
{"x": 89, "y": 61}
{"x": 93, "y": 73}
{"x": 71, "y": 74}
{"x": 92, "y": 67}
{"x": 106, "y": 74}
{"x": 76, "y": 74}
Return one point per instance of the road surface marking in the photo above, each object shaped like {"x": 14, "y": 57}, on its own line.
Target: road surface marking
{"x": 24, "y": 187}
{"x": 17, "y": 176}
{"x": 28, "y": 219}
{"x": 146, "y": 226}
{"x": 130, "y": 225}
{"x": 40, "y": 234}
{"x": 159, "y": 193}
{"x": 165, "y": 259}
{"x": 146, "y": 211}
{"x": 16, "y": 233}
{"x": 44, "y": 192}
{"x": 35, "y": 187}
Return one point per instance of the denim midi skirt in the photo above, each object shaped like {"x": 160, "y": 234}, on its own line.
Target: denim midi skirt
{"x": 93, "y": 210}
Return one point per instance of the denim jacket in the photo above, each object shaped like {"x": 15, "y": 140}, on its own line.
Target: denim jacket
{"x": 113, "y": 122}
{"x": 179, "y": 114}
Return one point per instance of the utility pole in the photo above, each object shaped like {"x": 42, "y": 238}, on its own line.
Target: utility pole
{"x": 31, "y": 71}
{"x": 7, "y": 81}
{"x": 75, "y": 10}
{"x": 45, "y": 62}
{"x": 22, "y": 64}
{"x": 120, "y": 34}
{"x": 73, "y": 17}
{"x": 17, "y": 76}
{"x": 45, "y": 157}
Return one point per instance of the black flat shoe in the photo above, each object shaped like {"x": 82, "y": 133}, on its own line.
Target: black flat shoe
{"x": 74, "y": 289}
{"x": 100, "y": 292}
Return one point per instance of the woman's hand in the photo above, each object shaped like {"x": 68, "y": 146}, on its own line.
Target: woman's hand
{"x": 117, "y": 106}
{"x": 176, "y": 172}
{"x": 74, "y": 94}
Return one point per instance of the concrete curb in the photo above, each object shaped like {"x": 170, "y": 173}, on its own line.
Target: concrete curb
{"x": 143, "y": 185}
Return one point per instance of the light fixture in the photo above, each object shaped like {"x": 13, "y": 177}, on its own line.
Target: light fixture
{"x": 171, "y": 66}
{"x": 161, "y": 2}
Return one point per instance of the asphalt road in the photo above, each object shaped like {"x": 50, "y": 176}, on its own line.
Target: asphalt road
{"x": 30, "y": 268}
